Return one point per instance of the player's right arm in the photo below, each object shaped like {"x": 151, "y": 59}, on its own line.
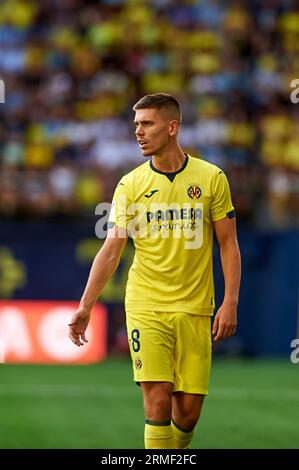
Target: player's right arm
{"x": 104, "y": 265}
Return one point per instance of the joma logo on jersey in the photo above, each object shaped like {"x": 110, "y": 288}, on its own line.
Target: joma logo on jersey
{"x": 174, "y": 214}
{"x": 194, "y": 192}
{"x": 151, "y": 193}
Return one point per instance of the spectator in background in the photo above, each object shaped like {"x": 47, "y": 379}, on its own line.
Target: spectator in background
{"x": 73, "y": 69}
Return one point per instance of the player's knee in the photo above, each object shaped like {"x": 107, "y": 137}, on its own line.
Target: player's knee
{"x": 190, "y": 422}
{"x": 187, "y": 421}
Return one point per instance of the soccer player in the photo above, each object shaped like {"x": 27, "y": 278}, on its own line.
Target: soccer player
{"x": 170, "y": 205}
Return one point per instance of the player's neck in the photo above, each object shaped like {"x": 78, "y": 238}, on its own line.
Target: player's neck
{"x": 169, "y": 161}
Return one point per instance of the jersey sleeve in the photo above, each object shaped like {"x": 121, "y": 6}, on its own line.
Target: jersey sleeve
{"x": 121, "y": 201}
{"x": 221, "y": 205}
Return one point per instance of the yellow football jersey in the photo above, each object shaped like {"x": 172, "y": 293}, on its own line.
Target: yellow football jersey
{"x": 169, "y": 216}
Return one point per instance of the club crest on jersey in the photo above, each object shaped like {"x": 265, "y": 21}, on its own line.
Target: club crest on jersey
{"x": 138, "y": 363}
{"x": 194, "y": 191}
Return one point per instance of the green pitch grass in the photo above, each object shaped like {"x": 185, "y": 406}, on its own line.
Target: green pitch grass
{"x": 251, "y": 404}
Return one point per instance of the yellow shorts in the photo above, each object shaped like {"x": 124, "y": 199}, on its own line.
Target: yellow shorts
{"x": 171, "y": 347}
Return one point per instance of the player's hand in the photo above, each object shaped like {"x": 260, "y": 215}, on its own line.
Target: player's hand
{"x": 225, "y": 322}
{"x": 78, "y": 325}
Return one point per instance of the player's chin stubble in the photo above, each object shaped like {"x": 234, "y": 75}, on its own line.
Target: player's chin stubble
{"x": 146, "y": 153}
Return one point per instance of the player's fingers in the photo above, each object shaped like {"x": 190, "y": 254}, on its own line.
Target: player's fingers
{"x": 231, "y": 330}
{"x": 74, "y": 340}
{"x": 215, "y": 325}
{"x": 226, "y": 331}
{"x": 83, "y": 337}
{"x": 219, "y": 333}
{"x": 74, "y": 337}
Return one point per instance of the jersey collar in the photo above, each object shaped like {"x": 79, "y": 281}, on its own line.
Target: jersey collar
{"x": 172, "y": 174}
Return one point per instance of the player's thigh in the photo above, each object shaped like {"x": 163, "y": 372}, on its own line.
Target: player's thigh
{"x": 193, "y": 353}
{"x": 151, "y": 341}
{"x": 157, "y": 400}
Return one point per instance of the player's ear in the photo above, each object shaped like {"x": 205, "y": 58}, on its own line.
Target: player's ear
{"x": 173, "y": 127}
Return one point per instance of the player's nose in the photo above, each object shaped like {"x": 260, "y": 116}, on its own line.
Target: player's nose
{"x": 139, "y": 131}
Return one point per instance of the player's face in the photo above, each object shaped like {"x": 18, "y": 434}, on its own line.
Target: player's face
{"x": 152, "y": 130}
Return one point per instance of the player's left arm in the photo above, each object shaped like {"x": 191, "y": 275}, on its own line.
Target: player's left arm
{"x": 225, "y": 322}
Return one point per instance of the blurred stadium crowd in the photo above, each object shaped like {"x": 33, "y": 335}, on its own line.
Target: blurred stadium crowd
{"x": 73, "y": 69}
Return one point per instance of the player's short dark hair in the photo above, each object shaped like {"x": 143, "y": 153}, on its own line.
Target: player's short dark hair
{"x": 158, "y": 101}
